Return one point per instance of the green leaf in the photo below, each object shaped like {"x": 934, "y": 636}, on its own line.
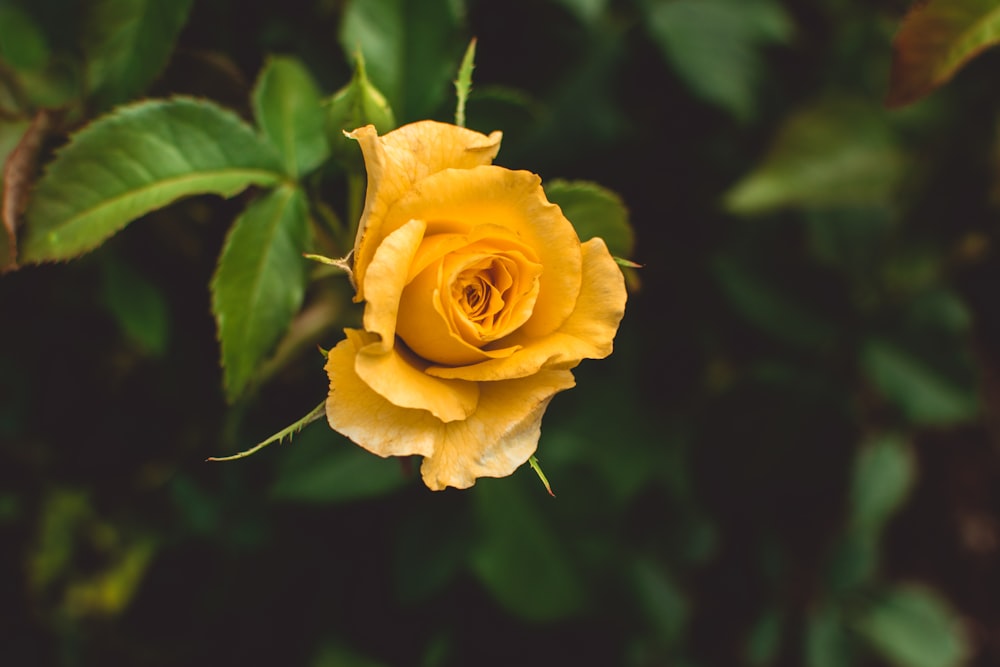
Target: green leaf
{"x": 322, "y": 466}
{"x": 661, "y": 600}
{"x": 135, "y": 160}
{"x": 594, "y": 211}
{"x": 260, "y": 281}
{"x": 138, "y": 305}
{"x": 519, "y": 560}
{"x": 410, "y": 48}
{"x": 714, "y": 46}
{"x": 763, "y": 646}
{"x": 884, "y": 472}
{"x": 23, "y": 44}
{"x": 852, "y": 563}
{"x": 936, "y": 39}
{"x": 288, "y": 108}
{"x": 833, "y": 154}
{"x": 127, "y": 43}
{"x": 924, "y": 394}
{"x": 941, "y": 308}
{"x": 913, "y": 627}
{"x": 828, "y": 643}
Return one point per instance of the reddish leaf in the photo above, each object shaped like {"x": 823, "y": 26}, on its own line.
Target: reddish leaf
{"x": 18, "y": 174}
{"x": 936, "y": 39}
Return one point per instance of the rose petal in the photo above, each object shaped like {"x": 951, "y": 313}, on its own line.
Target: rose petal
{"x": 386, "y": 278}
{"x": 459, "y": 200}
{"x": 588, "y": 333}
{"x": 497, "y": 438}
{"x": 398, "y": 376}
{"x": 357, "y": 411}
{"x": 401, "y": 158}
{"x": 427, "y": 318}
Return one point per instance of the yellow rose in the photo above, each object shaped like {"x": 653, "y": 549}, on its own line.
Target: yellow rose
{"x": 479, "y": 299}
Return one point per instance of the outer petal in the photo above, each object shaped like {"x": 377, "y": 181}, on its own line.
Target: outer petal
{"x": 458, "y": 200}
{"x": 401, "y": 158}
{"x": 588, "y": 333}
{"x": 497, "y": 438}
{"x": 354, "y": 409}
{"x": 387, "y": 276}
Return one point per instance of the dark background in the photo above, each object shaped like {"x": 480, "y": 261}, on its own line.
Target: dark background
{"x": 776, "y": 370}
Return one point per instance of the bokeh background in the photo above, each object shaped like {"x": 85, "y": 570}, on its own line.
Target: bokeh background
{"x": 790, "y": 459}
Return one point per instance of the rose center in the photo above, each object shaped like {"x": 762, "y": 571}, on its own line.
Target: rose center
{"x": 467, "y": 296}
{"x": 481, "y": 293}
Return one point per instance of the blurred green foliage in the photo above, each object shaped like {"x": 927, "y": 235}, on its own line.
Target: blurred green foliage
{"x": 789, "y": 460}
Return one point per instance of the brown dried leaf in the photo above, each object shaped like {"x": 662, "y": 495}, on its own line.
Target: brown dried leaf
{"x": 935, "y": 40}
{"x": 19, "y": 172}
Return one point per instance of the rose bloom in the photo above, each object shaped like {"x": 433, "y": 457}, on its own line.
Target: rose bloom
{"x": 479, "y": 299}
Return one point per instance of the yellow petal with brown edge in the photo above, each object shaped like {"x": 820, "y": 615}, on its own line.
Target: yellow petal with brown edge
{"x": 398, "y": 376}
{"x": 497, "y": 438}
{"x": 588, "y": 333}
{"x": 399, "y": 159}
{"x": 459, "y": 200}
{"x": 386, "y": 278}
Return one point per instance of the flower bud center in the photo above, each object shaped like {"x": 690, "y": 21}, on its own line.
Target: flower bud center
{"x": 469, "y": 296}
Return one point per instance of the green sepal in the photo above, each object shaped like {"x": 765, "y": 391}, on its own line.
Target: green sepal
{"x": 343, "y": 264}
{"x": 410, "y": 48}
{"x": 463, "y": 84}
{"x": 287, "y": 432}
{"x": 627, "y": 263}
{"x": 357, "y": 104}
{"x": 533, "y": 462}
